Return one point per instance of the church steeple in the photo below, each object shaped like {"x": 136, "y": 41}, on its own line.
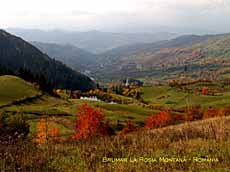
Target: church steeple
{"x": 127, "y": 82}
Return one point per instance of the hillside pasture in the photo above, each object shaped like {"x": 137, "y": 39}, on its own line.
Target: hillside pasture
{"x": 13, "y": 88}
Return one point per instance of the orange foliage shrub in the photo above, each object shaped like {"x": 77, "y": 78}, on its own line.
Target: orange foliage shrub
{"x": 54, "y": 135}
{"x": 45, "y": 135}
{"x": 162, "y": 119}
{"x": 204, "y": 90}
{"x": 150, "y": 122}
{"x": 224, "y": 111}
{"x": 90, "y": 122}
{"x": 214, "y": 112}
{"x": 42, "y": 136}
{"x": 210, "y": 113}
{"x": 129, "y": 127}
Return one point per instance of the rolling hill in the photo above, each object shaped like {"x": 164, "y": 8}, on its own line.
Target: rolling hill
{"x": 126, "y": 51}
{"x": 13, "y": 88}
{"x": 16, "y": 53}
{"x": 70, "y": 55}
{"x": 191, "y": 54}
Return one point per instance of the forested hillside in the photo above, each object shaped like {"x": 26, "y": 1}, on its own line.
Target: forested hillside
{"x": 191, "y": 55}
{"x": 16, "y": 53}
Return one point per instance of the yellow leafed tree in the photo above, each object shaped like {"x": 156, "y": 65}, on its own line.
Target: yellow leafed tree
{"x": 41, "y": 136}
{"x": 45, "y": 134}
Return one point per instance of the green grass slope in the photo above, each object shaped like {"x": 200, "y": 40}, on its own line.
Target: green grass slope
{"x": 13, "y": 88}
{"x": 173, "y": 97}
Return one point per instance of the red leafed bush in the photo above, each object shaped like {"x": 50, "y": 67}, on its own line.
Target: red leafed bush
{"x": 150, "y": 122}
{"x": 216, "y": 112}
{"x": 228, "y": 82}
{"x": 162, "y": 119}
{"x": 210, "y": 113}
{"x": 129, "y": 127}
{"x": 204, "y": 90}
{"x": 90, "y": 122}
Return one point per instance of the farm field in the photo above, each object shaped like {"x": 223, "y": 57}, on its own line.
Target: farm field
{"x": 173, "y": 97}
{"x": 158, "y": 96}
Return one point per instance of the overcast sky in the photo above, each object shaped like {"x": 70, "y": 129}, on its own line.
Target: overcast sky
{"x": 115, "y": 15}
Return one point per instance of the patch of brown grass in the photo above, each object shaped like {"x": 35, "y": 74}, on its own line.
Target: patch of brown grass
{"x": 203, "y": 139}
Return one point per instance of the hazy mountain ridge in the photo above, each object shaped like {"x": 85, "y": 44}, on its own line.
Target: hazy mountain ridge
{"x": 16, "y": 53}
{"x": 126, "y": 51}
{"x": 70, "y": 55}
{"x": 195, "y": 53}
{"x": 93, "y": 41}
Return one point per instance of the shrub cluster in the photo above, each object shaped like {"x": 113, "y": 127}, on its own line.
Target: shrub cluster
{"x": 216, "y": 112}
{"x": 162, "y": 119}
{"x": 90, "y": 122}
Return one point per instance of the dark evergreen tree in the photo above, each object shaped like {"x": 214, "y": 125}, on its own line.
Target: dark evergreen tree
{"x": 5, "y": 71}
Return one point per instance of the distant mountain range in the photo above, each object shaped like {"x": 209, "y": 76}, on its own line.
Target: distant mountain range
{"x": 70, "y": 55}
{"x": 126, "y": 51}
{"x": 190, "y": 54}
{"x": 15, "y": 53}
{"x": 92, "y": 41}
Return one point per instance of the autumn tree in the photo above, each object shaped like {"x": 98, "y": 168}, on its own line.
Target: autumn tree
{"x": 162, "y": 119}
{"x": 150, "y": 122}
{"x": 132, "y": 91}
{"x": 89, "y": 123}
{"x": 46, "y": 134}
{"x": 204, "y": 90}
{"x": 54, "y": 135}
{"x": 210, "y": 113}
{"x": 42, "y": 132}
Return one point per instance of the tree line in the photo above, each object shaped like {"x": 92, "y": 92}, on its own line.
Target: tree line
{"x": 29, "y": 76}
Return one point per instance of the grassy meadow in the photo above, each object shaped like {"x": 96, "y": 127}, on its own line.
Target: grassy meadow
{"x": 13, "y": 88}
